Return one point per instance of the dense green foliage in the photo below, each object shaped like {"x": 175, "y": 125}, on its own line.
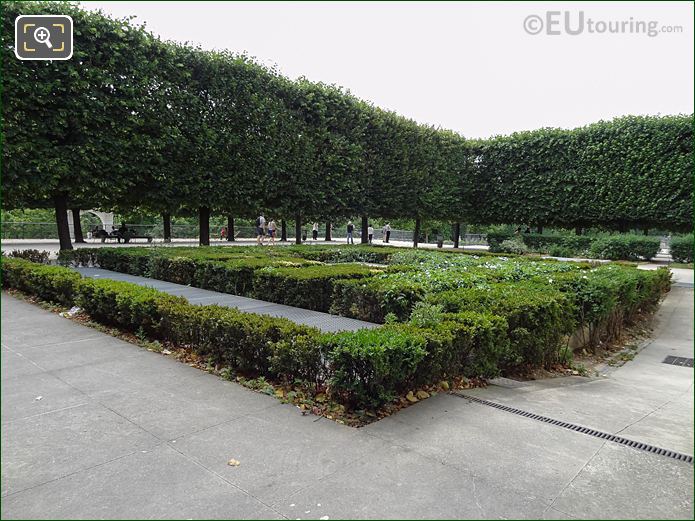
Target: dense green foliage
{"x": 542, "y": 302}
{"x": 626, "y": 172}
{"x": 625, "y": 247}
{"x": 364, "y": 368}
{"x": 613, "y": 247}
{"x": 174, "y": 129}
{"x": 682, "y": 248}
{"x": 309, "y": 287}
{"x": 51, "y": 283}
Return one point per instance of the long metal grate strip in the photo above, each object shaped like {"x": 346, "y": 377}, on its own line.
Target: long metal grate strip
{"x": 584, "y": 430}
{"x": 678, "y": 360}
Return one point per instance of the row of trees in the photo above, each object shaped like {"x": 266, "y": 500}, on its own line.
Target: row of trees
{"x": 132, "y": 122}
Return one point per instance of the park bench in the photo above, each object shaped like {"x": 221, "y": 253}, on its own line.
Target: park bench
{"x": 126, "y": 236}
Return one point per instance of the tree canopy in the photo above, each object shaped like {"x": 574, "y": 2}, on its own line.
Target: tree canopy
{"x": 135, "y": 122}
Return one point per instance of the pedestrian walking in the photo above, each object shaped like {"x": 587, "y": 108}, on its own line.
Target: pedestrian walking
{"x": 272, "y": 230}
{"x": 315, "y": 231}
{"x": 386, "y": 231}
{"x": 370, "y": 233}
{"x": 260, "y": 229}
{"x": 223, "y": 233}
{"x": 350, "y": 230}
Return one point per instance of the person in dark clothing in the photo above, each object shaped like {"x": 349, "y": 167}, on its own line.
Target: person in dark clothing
{"x": 121, "y": 233}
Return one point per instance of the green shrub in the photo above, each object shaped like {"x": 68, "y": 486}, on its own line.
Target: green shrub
{"x": 134, "y": 261}
{"x": 309, "y": 287}
{"x": 179, "y": 270}
{"x": 625, "y": 247}
{"x": 425, "y": 314}
{"x": 464, "y": 344}
{"x": 78, "y": 257}
{"x": 495, "y": 239}
{"x": 515, "y": 245}
{"x": 243, "y": 341}
{"x": 372, "y": 299}
{"x": 561, "y": 251}
{"x": 128, "y": 306}
{"x": 537, "y": 318}
{"x": 40, "y": 257}
{"x": 682, "y": 249}
{"x": 52, "y": 283}
{"x": 607, "y": 297}
{"x": 371, "y": 365}
{"x": 340, "y": 254}
{"x": 300, "y": 357}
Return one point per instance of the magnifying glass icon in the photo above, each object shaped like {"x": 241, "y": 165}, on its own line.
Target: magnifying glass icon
{"x": 42, "y": 35}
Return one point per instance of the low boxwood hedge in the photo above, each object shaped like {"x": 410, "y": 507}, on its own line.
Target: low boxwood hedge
{"x": 308, "y": 287}
{"x": 370, "y": 366}
{"x": 625, "y": 247}
{"x": 476, "y": 332}
{"x": 682, "y": 249}
{"x": 373, "y": 299}
{"x": 537, "y": 318}
{"x": 51, "y": 283}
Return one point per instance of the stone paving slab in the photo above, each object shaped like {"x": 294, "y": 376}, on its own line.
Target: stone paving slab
{"x": 323, "y": 321}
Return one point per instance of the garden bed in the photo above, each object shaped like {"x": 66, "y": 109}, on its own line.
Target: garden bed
{"x": 445, "y": 316}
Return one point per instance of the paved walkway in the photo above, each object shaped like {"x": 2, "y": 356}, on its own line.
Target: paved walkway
{"x": 94, "y": 427}
{"x": 52, "y": 245}
{"x": 323, "y": 321}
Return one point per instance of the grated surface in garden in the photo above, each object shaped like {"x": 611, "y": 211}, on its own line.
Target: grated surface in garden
{"x": 323, "y": 321}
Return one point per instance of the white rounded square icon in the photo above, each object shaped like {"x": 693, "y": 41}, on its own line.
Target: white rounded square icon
{"x": 43, "y": 37}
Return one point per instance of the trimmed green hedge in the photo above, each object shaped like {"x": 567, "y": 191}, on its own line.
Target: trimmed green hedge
{"x": 52, "y": 283}
{"x": 125, "y": 305}
{"x": 537, "y": 318}
{"x": 682, "y": 249}
{"x": 364, "y": 368}
{"x": 625, "y": 247}
{"x": 608, "y": 297}
{"x": 374, "y": 298}
{"x": 309, "y": 287}
{"x": 613, "y": 247}
{"x": 371, "y": 365}
{"x": 572, "y": 244}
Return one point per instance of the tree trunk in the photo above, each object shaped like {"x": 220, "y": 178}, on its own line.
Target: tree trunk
{"x": 539, "y": 230}
{"x": 204, "y": 225}
{"x": 328, "y": 231}
{"x": 298, "y": 229}
{"x": 60, "y": 202}
{"x": 578, "y": 230}
{"x": 283, "y": 231}
{"x": 457, "y": 234}
{"x": 365, "y": 224}
{"x": 166, "y": 217}
{"x": 416, "y": 233}
{"x": 77, "y": 225}
{"x": 230, "y": 228}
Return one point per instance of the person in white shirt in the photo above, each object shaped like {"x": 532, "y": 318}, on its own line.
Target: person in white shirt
{"x": 260, "y": 229}
{"x": 370, "y": 233}
{"x": 386, "y": 231}
{"x": 315, "y": 231}
{"x": 272, "y": 230}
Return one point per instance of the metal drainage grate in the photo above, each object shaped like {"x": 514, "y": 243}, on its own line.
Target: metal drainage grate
{"x": 584, "y": 430}
{"x": 678, "y": 360}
